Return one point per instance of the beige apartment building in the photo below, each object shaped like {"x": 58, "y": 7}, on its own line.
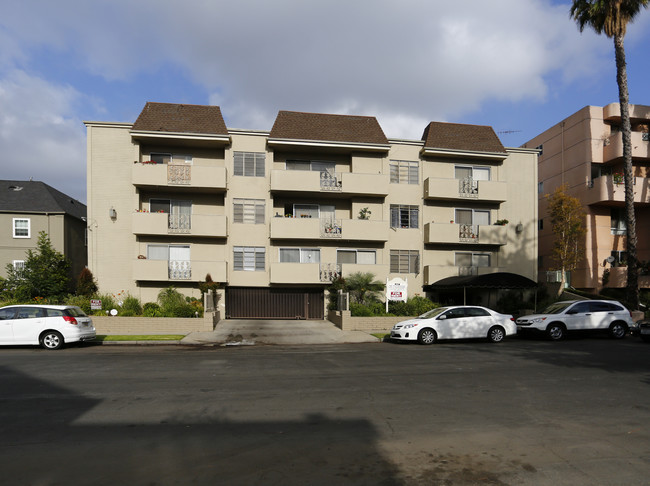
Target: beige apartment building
{"x": 585, "y": 152}
{"x": 275, "y": 216}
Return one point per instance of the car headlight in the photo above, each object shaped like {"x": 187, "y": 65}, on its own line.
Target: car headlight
{"x": 409, "y": 326}
{"x": 538, "y": 320}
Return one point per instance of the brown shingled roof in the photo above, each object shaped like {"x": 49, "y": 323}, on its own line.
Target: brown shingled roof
{"x": 172, "y": 117}
{"x": 456, "y": 136}
{"x": 331, "y": 128}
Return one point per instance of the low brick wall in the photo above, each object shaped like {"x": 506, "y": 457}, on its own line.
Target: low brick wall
{"x": 344, "y": 321}
{"x": 154, "y": 325}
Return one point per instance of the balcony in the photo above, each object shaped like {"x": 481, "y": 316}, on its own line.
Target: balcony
{"x": 603, "y": 190}
{"x": 434, "y": 273}
{"x": 304, "y": 273}
{"x": 178, "y": 271}
{"x": 614, "y": 146}
{"x": 345, "y": 183}
{"x": 163, "y": 224}
{"x": 464, "y": 189}
{"x": 195, "y": 177}
{"x": 450, "y": 233}
{"x": 315, "y": 229}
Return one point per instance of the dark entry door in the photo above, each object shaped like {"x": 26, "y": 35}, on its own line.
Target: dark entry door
{"x": 274, "y": 303}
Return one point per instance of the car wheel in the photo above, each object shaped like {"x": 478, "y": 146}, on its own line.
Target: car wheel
{"x": 51, "y": 340}
{"x": 617, "y": 330}
{"x": 427, "y": 336}
{"x": 555, "y": 331}
{"x": 496, "y": 334}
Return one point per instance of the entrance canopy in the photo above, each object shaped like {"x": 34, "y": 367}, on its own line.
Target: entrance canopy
{"x": 498, "y": 280}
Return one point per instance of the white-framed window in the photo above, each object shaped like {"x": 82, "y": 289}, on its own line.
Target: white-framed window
{"x": 618, "y": 221}
{"x": 249, "y": 211}
{"x": 473, "y": 217}
{"x": 404, "y": 216}
{"x": 475, "y": 173}
{"x": 166, "y": 158}
{"x": 168, "y": 252}
{"x": 249, "y": 164}
{"x": 313, "y": 165}
{"x": 21, "y": 227}
{"x": 361, "y": 257}
{"x": 299, "y": 255}
{"x": 323, "y": 211}
{"x": 18, "y": 265}
{"x": 249, "y": 258}
{"x": 469, "y": 259}
{"x": 540, "y": 187}
{"x": 404, "y": 172}
{"x": 404, "y": 261}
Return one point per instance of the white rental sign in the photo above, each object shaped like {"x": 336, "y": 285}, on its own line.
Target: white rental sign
{"x": 396, "y": 289}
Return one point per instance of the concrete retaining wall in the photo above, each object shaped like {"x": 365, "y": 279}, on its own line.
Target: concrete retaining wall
{"x": 344, "y": 321}
{"x": 154, "y": 325}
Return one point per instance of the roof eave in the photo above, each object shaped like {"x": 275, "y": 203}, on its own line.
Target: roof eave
{"x": 290, "y": 142}
{"x": 463, "y": 153}
{"x": 198, "y": 137}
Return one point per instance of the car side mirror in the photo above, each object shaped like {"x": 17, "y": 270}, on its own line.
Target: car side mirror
{"x": 442, "y": 317}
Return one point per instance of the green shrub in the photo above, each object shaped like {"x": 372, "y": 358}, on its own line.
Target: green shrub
{"x": 151, "y": 309}
{"x": 82, "y": 301}
{"x": 360, "y": 310}
{"x": 131, "y": 305}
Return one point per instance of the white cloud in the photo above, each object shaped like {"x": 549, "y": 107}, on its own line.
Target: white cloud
{"x": 40, "y": 136}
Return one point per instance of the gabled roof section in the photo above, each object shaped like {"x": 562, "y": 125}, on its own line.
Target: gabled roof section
{"x": 37, "y": 197}
{"x": 296, "y": 128}
{"x": 462, "y": 140}
{"x": 171, "y": 120}
{"x": 172, "y": 117}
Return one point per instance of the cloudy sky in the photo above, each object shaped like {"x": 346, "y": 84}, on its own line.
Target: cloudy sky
{"x": 517, "y": 65}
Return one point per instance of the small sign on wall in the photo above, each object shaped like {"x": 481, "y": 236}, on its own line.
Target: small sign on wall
{"x": 95, "y": 304}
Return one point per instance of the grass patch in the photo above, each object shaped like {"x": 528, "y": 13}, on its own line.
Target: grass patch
{"x": 381, "y": 335}
{"x": 140, "y": 337}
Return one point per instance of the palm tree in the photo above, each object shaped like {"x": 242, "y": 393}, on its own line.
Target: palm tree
{"x": 611, "y": 17}
{"x": 363, "y": 287}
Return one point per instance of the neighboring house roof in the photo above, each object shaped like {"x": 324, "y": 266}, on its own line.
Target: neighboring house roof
{"x": 37, "y": 197}
{"x": 294, "y": 125}
{"x": 456, "y": 136}
{"x": 176, "y": 118}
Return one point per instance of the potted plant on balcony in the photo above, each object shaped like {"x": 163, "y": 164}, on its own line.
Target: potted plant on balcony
{"x": 617, "y": 177}
{"x": 365, "y": 213}
{"x": 501, "y": 222}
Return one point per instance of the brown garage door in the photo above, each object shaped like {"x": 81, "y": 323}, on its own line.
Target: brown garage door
{"x": 274, "y": 303}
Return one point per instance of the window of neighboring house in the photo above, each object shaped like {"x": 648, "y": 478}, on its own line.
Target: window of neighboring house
{"x": 18, "y": 265}
{"x": 299, "y": 255}
{"x": 250, "y": 259}
{"x": 250, "y": 211}
{"x": 404, "y": 261}
{"x": 540, "y": 148}
{"x": 249, "y": 164}
{"x": 474, "y": 217}
{"x": 360, "y": 257}
{"x": 162, "y": 158}
{"x": 472, "y": 172}
{"x": 404, "y": 172}
{"x": 21, "y": 227}
{"x": 403, "y": 216}
{"x": 540, "y": 187}
{"x": 618, "y": 221}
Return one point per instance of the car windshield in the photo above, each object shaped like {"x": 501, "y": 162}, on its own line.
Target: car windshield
{"x": 432, "y": 313}
{"x": 556, "y": 308}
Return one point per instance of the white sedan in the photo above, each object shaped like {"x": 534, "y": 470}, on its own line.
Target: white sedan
{"x": 455, "y": 322}
{"x": 51, "y": 326}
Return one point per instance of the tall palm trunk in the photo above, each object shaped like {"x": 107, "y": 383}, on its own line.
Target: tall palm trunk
{"x": 628, "y": 172}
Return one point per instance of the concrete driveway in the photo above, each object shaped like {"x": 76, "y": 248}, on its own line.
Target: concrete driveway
{"x": 263, "y": 331}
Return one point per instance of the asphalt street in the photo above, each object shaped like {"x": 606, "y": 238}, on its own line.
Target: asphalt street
{"x": 525, "y": 411}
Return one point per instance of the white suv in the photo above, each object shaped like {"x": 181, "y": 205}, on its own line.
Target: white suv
{"x": 579, "y": 315}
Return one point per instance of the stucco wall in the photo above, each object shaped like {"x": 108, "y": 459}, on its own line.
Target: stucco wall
{"x": 344, "y": 321}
